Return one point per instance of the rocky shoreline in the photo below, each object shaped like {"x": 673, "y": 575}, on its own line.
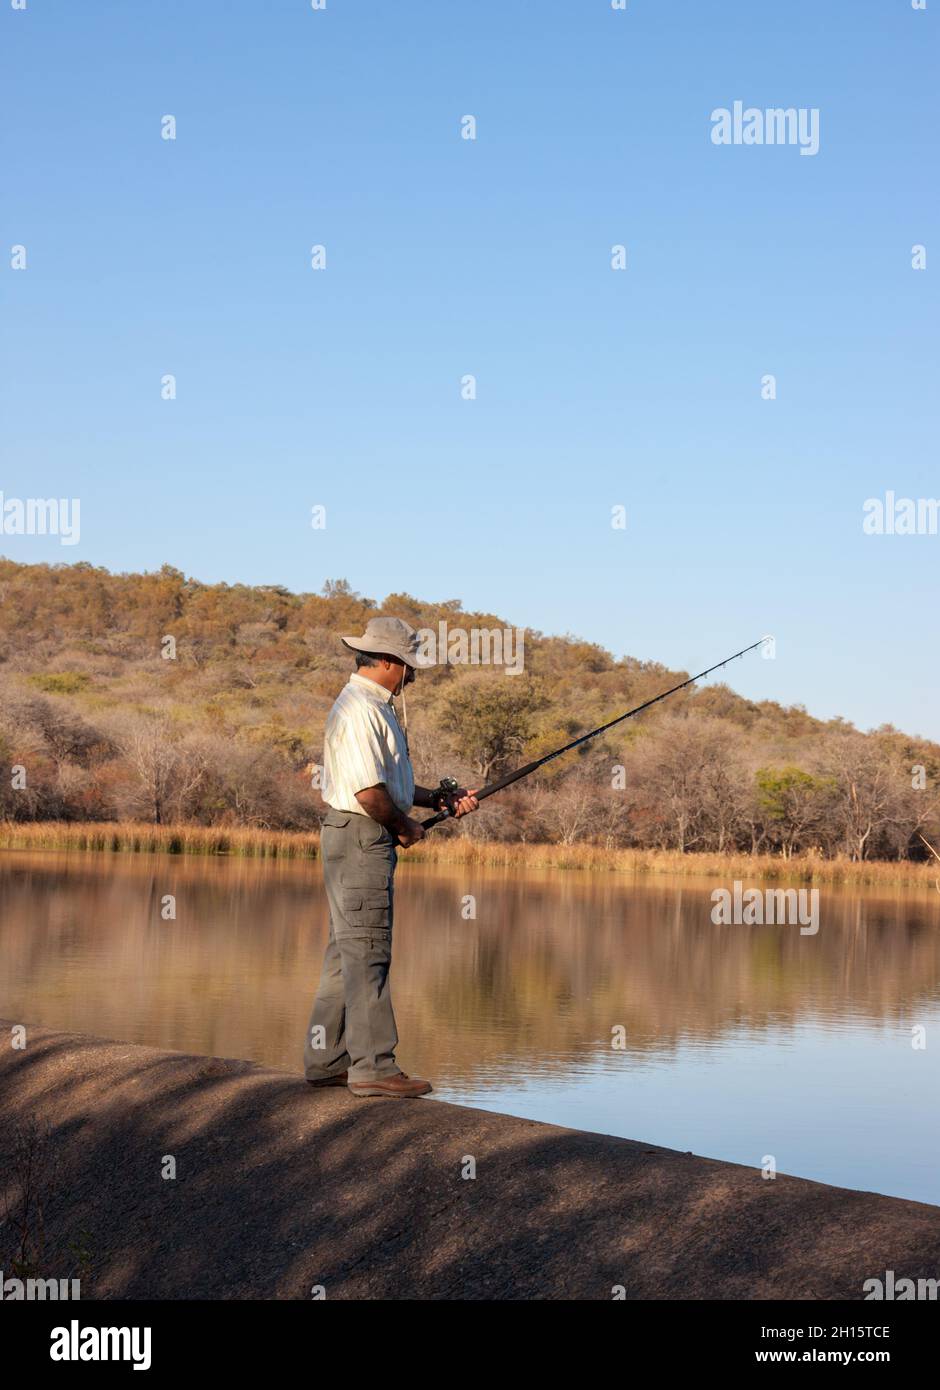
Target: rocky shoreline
{"x": 161, "y": 1175}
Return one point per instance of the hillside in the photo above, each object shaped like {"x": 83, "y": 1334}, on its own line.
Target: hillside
{"x": 156, "y": 697}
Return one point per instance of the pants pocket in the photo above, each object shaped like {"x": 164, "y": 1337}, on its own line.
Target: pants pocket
{"x": 333, "y": 839}
{"x": 370, "y": 833}
{"x": 366, "y": 957}
{"x": 367, "y": 904}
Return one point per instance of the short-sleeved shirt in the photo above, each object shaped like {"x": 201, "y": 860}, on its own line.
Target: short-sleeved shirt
{"x": 364, "y": 745}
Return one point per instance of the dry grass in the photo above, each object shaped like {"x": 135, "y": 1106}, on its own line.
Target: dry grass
{"x": 596, "y": 859}
{"x": 158, "y": 839}
{"x": 457, "y": 849}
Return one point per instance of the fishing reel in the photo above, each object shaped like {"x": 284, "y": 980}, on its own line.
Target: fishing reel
{"x": 445, "y": 796}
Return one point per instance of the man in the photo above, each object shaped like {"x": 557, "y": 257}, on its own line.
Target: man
{"x": 369, "y": 786}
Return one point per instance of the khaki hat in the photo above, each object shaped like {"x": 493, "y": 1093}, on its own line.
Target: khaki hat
{"x": 387, "y": 637}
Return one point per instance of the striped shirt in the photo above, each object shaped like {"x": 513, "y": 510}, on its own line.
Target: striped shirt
{"x": 364, "y": 745}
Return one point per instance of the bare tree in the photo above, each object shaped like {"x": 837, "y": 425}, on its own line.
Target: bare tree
{"x": 866, "y": 790}
{"x": 167, "y": 770}
{"x": 569, "y": 811}
{"x": 683, "y": 783}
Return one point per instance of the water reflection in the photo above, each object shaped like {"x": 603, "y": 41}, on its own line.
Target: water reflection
{"x": 738, "y": 1041}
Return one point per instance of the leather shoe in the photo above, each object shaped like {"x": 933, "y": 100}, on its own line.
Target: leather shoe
{"x": 402, "y": 1086}
{"x": 338, "y": 1080}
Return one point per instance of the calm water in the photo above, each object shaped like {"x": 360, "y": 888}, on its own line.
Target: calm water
{"x": 740, "y": 1041}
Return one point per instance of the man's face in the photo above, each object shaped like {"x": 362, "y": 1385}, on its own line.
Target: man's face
{"x": 408, "y": 673}
{"x": 396, "y": 670}
{"x": 390, "y": 673}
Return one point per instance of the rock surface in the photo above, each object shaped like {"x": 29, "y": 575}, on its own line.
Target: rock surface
{"x": 281, "y": 1188}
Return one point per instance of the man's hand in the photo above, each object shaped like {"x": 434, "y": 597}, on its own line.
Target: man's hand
{"x": 376, "y": 803}
{"x": 465, "y": 801}
{"x": 460, "y": 801}
{"x": 410, "y": 833}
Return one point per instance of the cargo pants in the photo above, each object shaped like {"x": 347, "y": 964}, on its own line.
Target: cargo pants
{"x": 352, "y": 1026}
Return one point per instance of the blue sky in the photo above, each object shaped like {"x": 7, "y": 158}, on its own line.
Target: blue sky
{"x": 447, "y": 256}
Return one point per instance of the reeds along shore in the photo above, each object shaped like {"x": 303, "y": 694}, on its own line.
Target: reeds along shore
{"x": 124, "y": 837}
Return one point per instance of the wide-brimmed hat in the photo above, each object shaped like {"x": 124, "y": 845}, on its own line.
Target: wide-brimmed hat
{"x": 387, "y": 637}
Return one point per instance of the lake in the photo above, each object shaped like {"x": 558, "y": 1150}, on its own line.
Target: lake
{"x": 738, "y": 1042}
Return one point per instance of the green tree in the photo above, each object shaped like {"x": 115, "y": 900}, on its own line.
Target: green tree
{"x": 491, "y": 719}
{"x": 794, "y": 804}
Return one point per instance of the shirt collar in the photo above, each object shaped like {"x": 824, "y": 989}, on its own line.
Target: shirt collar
{"x": 378, "y": 692}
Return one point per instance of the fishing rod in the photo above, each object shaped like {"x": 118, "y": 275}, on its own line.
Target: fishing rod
{"x": 449, "y": 786}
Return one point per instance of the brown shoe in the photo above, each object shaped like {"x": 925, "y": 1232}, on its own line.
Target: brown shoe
{"x": 338, "y": 1080}
{"x": 399, "y": 1085}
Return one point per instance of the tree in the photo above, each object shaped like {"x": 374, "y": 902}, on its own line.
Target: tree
{"x": 569, "y": 809}
{"x": 167, "y": 771}
{"x": 685, "y": 783}
{"x": 794, "y": 805}
{"x": 866, "y": 788}
{"x": 491, "y": 718}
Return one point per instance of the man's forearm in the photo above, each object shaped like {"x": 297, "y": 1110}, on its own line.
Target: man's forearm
{"x": 377, "y": 803}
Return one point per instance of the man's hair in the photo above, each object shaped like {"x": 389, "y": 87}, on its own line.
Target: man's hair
{"x": 373, "y": 658}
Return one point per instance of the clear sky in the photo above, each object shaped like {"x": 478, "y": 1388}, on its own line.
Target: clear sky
{"x": 492, "y": 257}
